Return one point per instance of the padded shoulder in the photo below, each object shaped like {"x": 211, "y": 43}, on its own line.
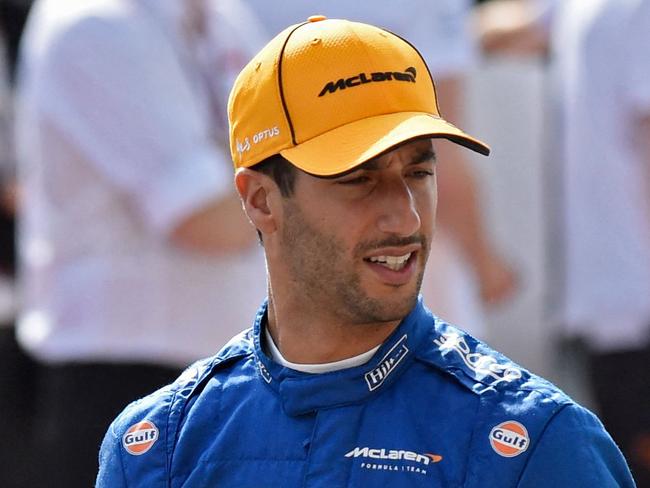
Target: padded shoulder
{"x": 514, "y": 406}
{"x": 480, "y": 368}
{"x": 138, "y": 446}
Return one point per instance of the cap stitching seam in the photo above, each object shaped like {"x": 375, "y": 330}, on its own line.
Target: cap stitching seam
{"x": 280, "y": 85}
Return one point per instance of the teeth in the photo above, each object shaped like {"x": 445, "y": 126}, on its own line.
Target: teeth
{"x": 393, "y": 262}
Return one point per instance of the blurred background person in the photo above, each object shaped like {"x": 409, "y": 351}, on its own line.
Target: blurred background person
{"x": 465, "y": 272}
{"x": 600, "y": 74}
{"x": 16, "y": 368}
{"x": 135, "y": 256}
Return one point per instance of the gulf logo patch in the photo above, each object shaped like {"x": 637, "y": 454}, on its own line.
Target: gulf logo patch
{"x": 140, "y": 437}
{"x": 509, "y": 439}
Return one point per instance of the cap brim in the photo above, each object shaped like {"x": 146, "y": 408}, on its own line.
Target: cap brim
{"x": 350, "y": 145}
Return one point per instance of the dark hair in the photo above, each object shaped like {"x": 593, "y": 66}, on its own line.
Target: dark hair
{"x": 281, "y": 171}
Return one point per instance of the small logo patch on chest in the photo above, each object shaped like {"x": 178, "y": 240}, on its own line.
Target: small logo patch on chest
{"x": 389, "y": 362}
{"x": 509, "y": 439}
{"x": 393, "y": 460}
{"x": 140, "y": 437}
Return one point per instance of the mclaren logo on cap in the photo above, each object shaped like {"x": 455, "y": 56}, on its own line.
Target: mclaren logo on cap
{"x": 407, "y": 75}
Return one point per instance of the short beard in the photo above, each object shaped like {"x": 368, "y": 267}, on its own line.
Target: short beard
{"x": 313, "y": 259}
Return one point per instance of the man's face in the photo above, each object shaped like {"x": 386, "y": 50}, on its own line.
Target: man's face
{"x": 355, "y": 246}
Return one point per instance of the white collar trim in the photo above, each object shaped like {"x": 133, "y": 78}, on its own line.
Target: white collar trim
{"x": 352, "y": 362}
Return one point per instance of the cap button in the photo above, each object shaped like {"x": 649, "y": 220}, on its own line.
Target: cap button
{"x": 316, "y": 18}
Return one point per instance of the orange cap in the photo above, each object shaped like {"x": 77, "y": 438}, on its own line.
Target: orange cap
{"x": 330, "y": 94}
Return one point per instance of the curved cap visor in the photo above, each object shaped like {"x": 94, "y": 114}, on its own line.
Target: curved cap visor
{"x": 346, "y": 147}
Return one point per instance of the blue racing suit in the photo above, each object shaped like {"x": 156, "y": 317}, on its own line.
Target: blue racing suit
{"x": 434, "y": 407}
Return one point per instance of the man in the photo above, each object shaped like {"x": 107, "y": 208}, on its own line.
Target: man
{"x": 132, "y": 239}
{"x": 466, "y": 274}
{"x": 345, "y": 378}
{"x": 601, "y": 282}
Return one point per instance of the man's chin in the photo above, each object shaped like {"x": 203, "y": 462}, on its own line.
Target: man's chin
{"x": 398, "y": 296}
{"x": 401, "y": 308}
{"x": 378, "y": 302}
{"x": 393, "y": 308}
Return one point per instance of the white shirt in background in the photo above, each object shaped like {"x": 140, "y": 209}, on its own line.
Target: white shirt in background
{"x": 602, "y": 73}
{"x": 117, "y": 143}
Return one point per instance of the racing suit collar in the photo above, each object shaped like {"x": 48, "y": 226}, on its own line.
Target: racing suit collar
{"x": 301, "y": 393}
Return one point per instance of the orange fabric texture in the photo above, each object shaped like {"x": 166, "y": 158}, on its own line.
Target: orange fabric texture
{"x": 330, "y": 94}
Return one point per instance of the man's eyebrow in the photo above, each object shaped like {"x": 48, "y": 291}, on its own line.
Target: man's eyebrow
{"x": 428, "y": 155}
{"x": 373, "y": 164}
{"x": 421, "y": 157}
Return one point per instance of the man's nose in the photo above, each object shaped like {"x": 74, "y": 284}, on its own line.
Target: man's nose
{"x": 399, "y": 214}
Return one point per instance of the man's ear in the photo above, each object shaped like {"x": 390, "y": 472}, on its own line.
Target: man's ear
{"x": 256, "y": 191}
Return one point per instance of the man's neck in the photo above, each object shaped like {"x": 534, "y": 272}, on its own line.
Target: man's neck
{"x": 309, "y": 338}
{"x": 319, "y": 368}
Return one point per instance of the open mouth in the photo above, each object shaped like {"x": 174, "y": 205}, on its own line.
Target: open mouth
{"x": 394, "y": 263}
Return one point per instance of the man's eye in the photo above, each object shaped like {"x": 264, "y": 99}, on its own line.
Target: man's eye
{"x": 422, "y": 173}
